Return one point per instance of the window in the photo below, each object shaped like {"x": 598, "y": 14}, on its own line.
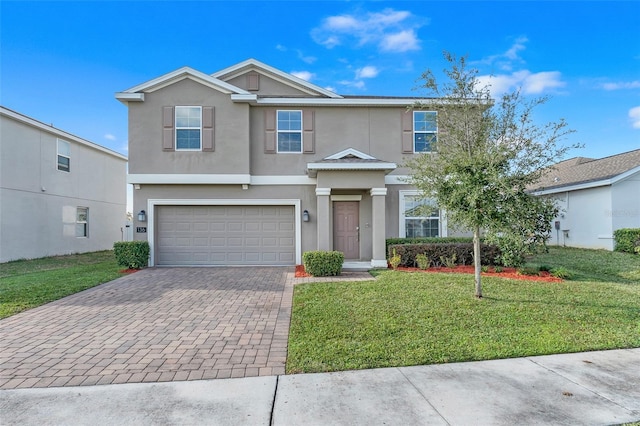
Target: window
{"x": 425, "y": 130}
{"x": 418, "y": 217}
{"x": 64, "y": 156}
{"x": 289, "y": 131}
{"x": 188, "y": 128}
{"x": 82, "y": 222}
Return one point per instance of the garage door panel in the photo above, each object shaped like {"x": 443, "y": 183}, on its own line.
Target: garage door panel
{"x": 225, "y": 235}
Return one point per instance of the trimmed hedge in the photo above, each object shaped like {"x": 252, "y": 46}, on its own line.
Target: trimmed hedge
{"x": 132, "y": 254}
{"x": 323, "y": 263}
{"x": 626, "y": 239}
{"x": 427, "y": 240}
{"x": 438, "y": 252}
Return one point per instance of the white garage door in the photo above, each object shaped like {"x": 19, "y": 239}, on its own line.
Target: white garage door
{"x": 225, "y": 235}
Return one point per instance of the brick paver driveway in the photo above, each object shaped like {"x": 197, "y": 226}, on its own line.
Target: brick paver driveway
{"x": 159, "y": 324}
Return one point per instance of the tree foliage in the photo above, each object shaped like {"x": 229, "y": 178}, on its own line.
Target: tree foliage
{"x": 487, "y": 154}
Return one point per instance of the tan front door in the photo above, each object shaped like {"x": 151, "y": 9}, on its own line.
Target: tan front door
{"x": 346, "y": 229}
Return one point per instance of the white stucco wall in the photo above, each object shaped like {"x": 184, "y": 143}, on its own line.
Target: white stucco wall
{"x": 625, "y": 206}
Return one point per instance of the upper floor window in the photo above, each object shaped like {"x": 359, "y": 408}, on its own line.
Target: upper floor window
{"x": 64, "y": 156}
{"x": 289, "y": 131}
{"x": 188, "y": 128}
{"x": 419, "y": 217}
{"x": 82, "y": 222}
{"x": 425, "y": 130}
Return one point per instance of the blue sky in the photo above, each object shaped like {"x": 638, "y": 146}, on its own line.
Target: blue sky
{"x": 62, "y": 62}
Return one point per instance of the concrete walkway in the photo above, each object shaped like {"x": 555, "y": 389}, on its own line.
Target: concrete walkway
{"x": 593, "y": 388}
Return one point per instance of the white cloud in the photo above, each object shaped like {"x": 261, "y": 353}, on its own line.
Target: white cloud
{"x": 358, "y": 84}
{"x": 634, "y": 115}
{"x": 390, "y": 30}
{"x": 530, "y": 83}
{"x": 109, "y": 137}
{"x": 400, "y": 42}
{"x": 305, "y": 75}
{"x": 281, "y": 48}
{"x": 505, "y": 61}
{"x": 622, "y": 85}
{"x": 307, "y": 59}
{"x": 367, "y": 72}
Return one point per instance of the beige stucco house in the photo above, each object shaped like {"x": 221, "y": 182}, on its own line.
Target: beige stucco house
{"x": 254, "y": 166}
{"x": 595, "y": 197}
{"x": 59, "y": 194}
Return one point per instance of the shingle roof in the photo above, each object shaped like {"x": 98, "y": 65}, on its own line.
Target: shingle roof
{"x": 581, "y": 170}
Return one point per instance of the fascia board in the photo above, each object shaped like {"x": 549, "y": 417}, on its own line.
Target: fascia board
{"x": 181, "y": 73}
{"x": 352, "y": 166}
{"x": 281, "y": 76}
{"x": 588, "y": 185}
{"x": 251, "y": 98}
{"x": 350, "y": 151}
{"x": 59, "y": 133}
{"x": 125, "y": 97}
{"x": 188, "y": 179}
{"x": 334, "y": 102}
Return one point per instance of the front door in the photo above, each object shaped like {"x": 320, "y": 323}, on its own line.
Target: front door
{"x": 346, "y": 231}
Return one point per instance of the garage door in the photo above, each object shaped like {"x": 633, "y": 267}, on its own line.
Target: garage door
{"x": 225, "y": 235}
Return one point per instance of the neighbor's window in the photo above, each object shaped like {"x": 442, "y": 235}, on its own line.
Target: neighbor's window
{"x": 64, "y": 156}
{"x": 419, "y": 217}
{"x": 82, "y": 222}
{"x": 425, "y": 130}
{"x": 289, "y": 131}
{"x": 188, "y": 128}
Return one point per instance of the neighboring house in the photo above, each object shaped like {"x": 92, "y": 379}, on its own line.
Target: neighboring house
{"x": 254, "y": 166}
{"x": 59, "y": 194}
{"x": 595, "y": 197}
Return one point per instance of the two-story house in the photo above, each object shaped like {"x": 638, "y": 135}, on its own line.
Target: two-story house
{"x": 59, "y": 194}
{"x": 254, "y": 166}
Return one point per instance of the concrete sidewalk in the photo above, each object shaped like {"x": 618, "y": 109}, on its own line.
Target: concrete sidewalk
{"x": 592, "y": 388}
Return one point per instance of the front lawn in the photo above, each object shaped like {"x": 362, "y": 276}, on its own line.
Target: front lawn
{"x": 25, "y": 284}
{"x": 416, "y": 318}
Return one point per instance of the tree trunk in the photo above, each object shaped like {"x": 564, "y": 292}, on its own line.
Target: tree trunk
{"x": 477, "y": 261}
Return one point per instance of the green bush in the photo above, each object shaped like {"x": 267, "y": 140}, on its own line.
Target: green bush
{"x": 562, "y": 272}
{"x": 626, "y": 239}
{"x": 132, "y": 254}
{"x": 528, "y": 270}
{"x": 323, "y": 263}
{"x": 437, "y": 254}
{"x": 422, "y": 260}
{"x": 426, "y": 240}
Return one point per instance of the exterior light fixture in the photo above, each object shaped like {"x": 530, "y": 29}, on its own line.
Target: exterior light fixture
{"x": 305, "y": 216}
{"x": 142, "y": 216}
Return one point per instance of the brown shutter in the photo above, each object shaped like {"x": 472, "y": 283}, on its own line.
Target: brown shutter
{"x": 167, "y": 129}
{"x": 208, "y": 129}
{"x": 308, "y": 136}
{"x": 407, "y": 132}
{"x": 270, "y": 131}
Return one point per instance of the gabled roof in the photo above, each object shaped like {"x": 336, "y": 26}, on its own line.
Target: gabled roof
{"x": 276, "y": 74}
{"x": 350, "y": 159}
{"x": 136, "y": 93}
{"x": 581, "y": 172}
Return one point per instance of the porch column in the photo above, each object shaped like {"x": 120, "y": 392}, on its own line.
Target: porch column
{"x": 379, "y": 258}
{"x": 323, "y": 212}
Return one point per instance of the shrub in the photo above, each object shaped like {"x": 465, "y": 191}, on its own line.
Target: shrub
{"x": 426, "y": 240}
{"x": 422, "y": 260}
{"x": 437, "y": 253}
{"x": 528, "y": 270}
{"x": 498, "y": 269}
{"x": 484, "y": 268}
{"x": 626, "y": 239}
{"x": 132, "y": 254}
{"x": 323, "y": 263}
{"x": 449, "y": 262}
{"x": 394, "y": 260}
{"x": 562, "y": 272}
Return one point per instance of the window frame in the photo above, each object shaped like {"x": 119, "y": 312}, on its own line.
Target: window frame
{"x": 84, "y": 223}
{"x": 61, "y": 155}
{"x": 424, "y": 132}
{"x": 289, "y": 131}
{"x": 178, "y": 128}
{"x": 402, "y": 219}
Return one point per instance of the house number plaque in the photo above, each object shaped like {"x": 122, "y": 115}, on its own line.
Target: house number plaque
{"x": 141, "y": 229}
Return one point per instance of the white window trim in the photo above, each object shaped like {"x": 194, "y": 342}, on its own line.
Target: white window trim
{"x": 58, "y": 141}
{"x": 435, "y": 132}
{"x": 278, "y": 131}
{"x": 176, "y": 128}
{"x": 86, "y": 222}
{"x": 402, "y": 230}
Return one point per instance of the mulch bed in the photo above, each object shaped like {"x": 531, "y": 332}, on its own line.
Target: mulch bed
{"x": 466, "y": 269}
{"x": 128, "y": 271}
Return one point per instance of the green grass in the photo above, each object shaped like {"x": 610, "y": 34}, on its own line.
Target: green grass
{"x": 25, "y": 284}
{"x": 414, "y": 318}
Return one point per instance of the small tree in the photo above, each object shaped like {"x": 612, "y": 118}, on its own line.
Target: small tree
{"x": 486, "y": 156}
